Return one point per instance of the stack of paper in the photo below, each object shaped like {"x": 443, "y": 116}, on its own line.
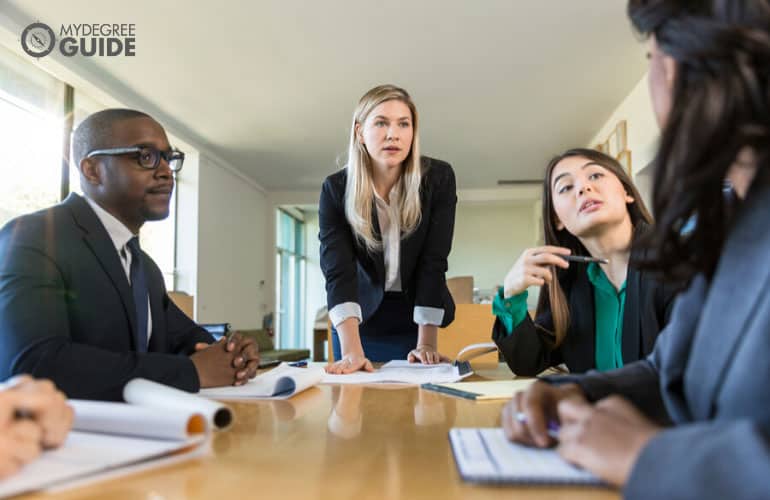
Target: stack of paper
{"x": 403, "y": 372}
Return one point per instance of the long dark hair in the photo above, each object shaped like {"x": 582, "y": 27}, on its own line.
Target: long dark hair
{"x": 720, "y": 104}
{"x": 552, "y": 296}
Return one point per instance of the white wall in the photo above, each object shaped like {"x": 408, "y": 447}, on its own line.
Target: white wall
{"x": 232, "y": 257}
{"x": 642, "y": 133}
{"x": 187, "y": 187}
{"x": 489, "y": 237}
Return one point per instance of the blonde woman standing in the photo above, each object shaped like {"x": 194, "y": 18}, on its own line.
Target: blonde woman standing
{"x": 386, "y": 223}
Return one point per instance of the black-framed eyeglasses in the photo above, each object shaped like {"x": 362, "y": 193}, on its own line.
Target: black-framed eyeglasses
{"x": 147, "y": 156}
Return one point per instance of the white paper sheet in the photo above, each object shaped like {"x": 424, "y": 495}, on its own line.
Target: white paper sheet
{"x": 401, "y": 372}
{"x": 281, "y": 382}
{"x": 88, "y": 457}
{"x": 486, "y": 456}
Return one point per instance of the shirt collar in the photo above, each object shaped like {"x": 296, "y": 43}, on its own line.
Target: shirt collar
{"x": 600, "y": 280}
{"x": 394, "y": 192}
{"x": 119, "y": 233}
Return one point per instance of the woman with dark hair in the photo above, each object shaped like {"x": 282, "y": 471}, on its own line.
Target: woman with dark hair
{"x": 593, "y": 315}
{"x": 693, "y": 419}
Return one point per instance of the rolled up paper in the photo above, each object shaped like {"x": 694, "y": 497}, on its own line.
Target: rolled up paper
{"x": 150, "y": 394}
{"x": 130, "y": 420}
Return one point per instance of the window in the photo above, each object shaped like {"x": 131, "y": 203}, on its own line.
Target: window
{"x": 290, "y": 275}
{"x": 32, "y": 128}
{"x": 31, "y": 131}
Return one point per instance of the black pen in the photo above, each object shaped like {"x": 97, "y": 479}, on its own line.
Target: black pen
{"x": 583, "y": 258}
{"x": 19, "y": 414}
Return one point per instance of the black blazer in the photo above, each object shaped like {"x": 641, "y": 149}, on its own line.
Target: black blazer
{"x": 353, "y": 274}
{"x": 67, "y": 313}
{"x": 647, "y": 309}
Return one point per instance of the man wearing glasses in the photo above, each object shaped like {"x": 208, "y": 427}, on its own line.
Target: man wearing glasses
{"x": 80, "y": 303}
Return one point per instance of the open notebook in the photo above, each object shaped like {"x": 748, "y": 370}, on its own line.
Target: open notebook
{"x": 281, "y": 382}
{"x": 486, "y": 456}
{"x": 113, "y": 439}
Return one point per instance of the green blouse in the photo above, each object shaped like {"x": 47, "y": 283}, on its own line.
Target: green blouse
{"x": 609, "y": 305}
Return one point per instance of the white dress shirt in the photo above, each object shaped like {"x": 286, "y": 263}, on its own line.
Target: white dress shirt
{"x": 390, "y": 232}
{"x": 120, "y": 236}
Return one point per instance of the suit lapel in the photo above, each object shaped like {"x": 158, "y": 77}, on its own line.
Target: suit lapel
{"x": 631, "y": 342}
{"x": 99, "y": 242}
{"x": 739, "y": 282}
{"x": 582, "y": 316}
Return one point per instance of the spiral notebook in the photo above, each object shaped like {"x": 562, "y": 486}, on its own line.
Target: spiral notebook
{"x": 486, "y": 456}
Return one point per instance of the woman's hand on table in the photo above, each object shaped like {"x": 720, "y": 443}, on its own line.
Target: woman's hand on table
{"x": 427, "y": 355}
{"x": 350, "y": 363}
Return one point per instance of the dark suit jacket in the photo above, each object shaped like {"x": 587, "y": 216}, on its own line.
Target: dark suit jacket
{"x": 709, "y": 375}
{"x": 353, "y": 274}
{"x": 648, "y": 306}
{"x": 67, "y": 313}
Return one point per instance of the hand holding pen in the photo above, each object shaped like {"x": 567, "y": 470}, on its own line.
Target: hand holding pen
{"x": 34, "y": 415}
{"x": 533, "y": 267}
{"x": 531, "y": 416}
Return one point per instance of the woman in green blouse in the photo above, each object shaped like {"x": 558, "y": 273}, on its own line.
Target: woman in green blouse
{"x": 590, "y": 315}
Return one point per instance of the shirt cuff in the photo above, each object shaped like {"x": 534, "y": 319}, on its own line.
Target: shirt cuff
{"x": 511, "y": 311}
{"x": 341, "y": 312}
{"x": 424, "y": 315}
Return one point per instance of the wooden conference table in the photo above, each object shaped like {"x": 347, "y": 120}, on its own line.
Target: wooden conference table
{"x": 336, "y": 442}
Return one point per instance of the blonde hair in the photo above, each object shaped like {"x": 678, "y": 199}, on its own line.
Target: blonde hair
{"x": 359, "y": 193}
